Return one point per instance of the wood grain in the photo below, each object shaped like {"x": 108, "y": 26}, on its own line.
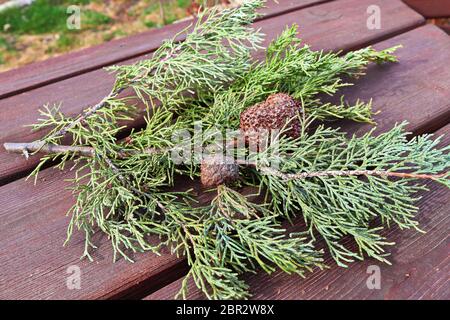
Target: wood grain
{"x": 32, "y": 262}
{"x": 417, "y": 86}
{"x": 444, "y": 27}
{"x": 33, "y": 222}
{"x": 346, "y": 19}
{"x": 430, "y": 8}
{"x": 419, "y": 270}
{"x": 78, "y": 62}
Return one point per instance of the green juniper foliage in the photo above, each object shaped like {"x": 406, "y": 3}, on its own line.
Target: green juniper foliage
{"x": 338, "y": 185}
{"x": 337, "y": 206}
{"x": 293, "y": 68}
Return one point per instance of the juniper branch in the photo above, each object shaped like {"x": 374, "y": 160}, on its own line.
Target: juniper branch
{"x": 292, "y": 67}
{"x": 42, "y": 147}
{"x": 319, "y": 177}
{"x": 215, "y": 52}
{"x": 90, "y": 152}
{"x": 231, "y": 236}
{"x": 339, "y": 185}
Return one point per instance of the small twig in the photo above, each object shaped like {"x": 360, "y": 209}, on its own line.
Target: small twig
{"x": 86, "y": 114}
{"x": 334, "y": 173}
{"x": 103, "y": 103}
{"x": 162, "y": 12}
{"x": 39, "y": 146}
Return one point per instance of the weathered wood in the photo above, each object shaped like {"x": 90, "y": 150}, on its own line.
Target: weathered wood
{"x": 33, "y": 226}
{"x": 431, "y": 8}
{"x": 326, "y": 26}
{"x": 419, "y": 270}
{"x": 34, "y": 261}
{"x": 78, "y": 62}
{"x": 444, "y": 27}
{"x": 407, "y": 86}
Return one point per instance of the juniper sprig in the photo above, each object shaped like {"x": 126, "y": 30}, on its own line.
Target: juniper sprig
{"x": 341, "y": 185}
{"x": 128, "y": 188}
{"x": 292, "y": 67}
{"x": 230, "y": 236}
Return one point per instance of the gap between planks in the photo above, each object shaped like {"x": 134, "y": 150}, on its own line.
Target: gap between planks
{"x": 430, "y": 8}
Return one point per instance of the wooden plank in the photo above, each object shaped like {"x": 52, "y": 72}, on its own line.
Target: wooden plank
{"x": 419, "y": 270}
{"x": 78, "y": 62}
{"x": 418, "y": 86}
{"x": 33, "y": 225}
{"x": 326, "y": 26}
{"x": 35, "y": 262}
{"x": 445, "y": 27}
{"x": 430, "y": 8}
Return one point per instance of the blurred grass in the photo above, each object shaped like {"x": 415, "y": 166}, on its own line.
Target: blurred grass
{"x": 45, "y": 16}
{"x": 39, "y": 31}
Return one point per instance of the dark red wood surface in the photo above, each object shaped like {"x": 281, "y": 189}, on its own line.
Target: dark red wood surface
{"x": 78, "y": 62}
{"x": 445, "y": 27}
{"x": 33, "y": 263}
{"x": 431, "y": 8}
{"x": 337, "y": 25}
